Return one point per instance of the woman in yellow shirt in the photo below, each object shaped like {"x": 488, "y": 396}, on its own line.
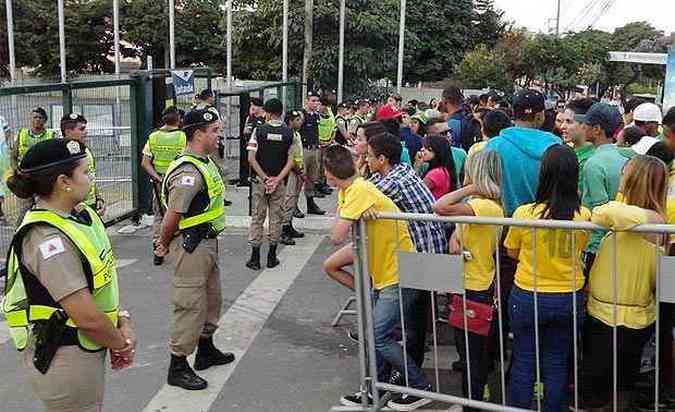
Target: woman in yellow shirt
{"x": 644, "y": 188}
{"x": 554, "y": 272}
{"x": 481, "y": 196}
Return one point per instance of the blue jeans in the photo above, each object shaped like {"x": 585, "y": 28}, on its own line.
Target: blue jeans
{"x": 389, "y": 354}
{"x": 555, "y": 341}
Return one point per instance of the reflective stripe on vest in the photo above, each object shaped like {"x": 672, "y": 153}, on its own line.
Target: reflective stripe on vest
{"x": 94, "y": 244}
{"x": 28, "y": 140}
{"x": 165, "y": 146}
{"x": 215, "y": 213}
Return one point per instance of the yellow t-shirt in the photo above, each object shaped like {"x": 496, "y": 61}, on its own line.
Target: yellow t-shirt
{"x": 554, "y": 254}
{"x": 385, "y": 237}
{"x": 481, "y": 241}
{"x": 636, "y": 270}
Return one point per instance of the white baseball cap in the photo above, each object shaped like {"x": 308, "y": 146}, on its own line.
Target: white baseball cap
{"x": 648, "y": 112}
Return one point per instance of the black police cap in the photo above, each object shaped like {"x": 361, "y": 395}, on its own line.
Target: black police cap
{"x": 74, "y": 117}
{"x": 199, "y": 117}
{"x": 256, "y": 102}
{"x": 51, "y": 153}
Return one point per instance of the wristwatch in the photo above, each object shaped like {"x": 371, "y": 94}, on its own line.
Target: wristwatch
{"x": 124, "y": 314}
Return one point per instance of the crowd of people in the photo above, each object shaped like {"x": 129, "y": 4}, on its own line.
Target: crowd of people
{"x": 488, "y": 158}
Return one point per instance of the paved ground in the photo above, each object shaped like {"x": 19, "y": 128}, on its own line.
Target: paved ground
{"x": 289, "y": 358}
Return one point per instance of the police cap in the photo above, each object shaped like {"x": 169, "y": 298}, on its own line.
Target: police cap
{"x": 256, "y": 102}
{"x": 73, "y": 117}
{"x": 200, "y": 117}
{"x": 51, "y": 153}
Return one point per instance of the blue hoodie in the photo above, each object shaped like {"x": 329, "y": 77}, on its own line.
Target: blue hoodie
{"x": 520, "y": 151}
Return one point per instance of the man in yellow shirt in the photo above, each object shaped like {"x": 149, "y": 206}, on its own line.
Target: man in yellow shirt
{"x": 358, "y": 198}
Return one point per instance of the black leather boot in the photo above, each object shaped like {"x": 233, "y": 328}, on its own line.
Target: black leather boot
{"x": 312, "y": 208}
{"x": 294, "y": 233}
{"x": 272, "y": 260}
{"x": 208, "y": 355}
{"x": 286, "y": 237}
{"x": 254, "y": 261}
{"x": 297, "y": 213}
{"x": 182, "y": 375}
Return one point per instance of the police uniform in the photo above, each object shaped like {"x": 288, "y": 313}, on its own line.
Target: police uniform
{"x": 53, "y": 255}
{"x": 327, "y": 127}
{"x": 293, "y": 190}
{"x": 193, "y": 187}
{"x": 271, "y": 144}
{"x": 163, "y": 146}
{"x": 249, "y": 125}
{"x": 25, "y": 139}
{"x": 309, "y": 132}
{"x": 92, "y": 200}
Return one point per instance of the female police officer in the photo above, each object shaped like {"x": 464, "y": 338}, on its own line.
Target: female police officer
{"x": 61, "y": 297}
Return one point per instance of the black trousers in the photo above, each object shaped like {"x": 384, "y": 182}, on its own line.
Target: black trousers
{"x": 243, "y": 159}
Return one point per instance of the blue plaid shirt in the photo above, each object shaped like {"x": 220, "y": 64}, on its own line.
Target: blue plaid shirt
{"x": 411, "y": 195}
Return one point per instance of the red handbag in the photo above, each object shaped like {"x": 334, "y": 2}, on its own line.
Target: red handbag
{"x": 478, "y": 315}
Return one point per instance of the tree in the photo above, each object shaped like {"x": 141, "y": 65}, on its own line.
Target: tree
{"x": 488, "y": 25}
{"x": 484, "y": 68}
{"x": 88, "y": 29}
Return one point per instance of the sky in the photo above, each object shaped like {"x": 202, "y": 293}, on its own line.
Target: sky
{"x": 534, "y": 14}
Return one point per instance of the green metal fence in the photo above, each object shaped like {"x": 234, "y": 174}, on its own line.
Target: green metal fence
{"x": 116, "y": 120}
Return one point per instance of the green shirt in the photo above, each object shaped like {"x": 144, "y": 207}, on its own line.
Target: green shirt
{"x": 459, "y": 157}
{"x": 583, "y": 154}
{"x": 627, "y": 152}
{"x": 602, "y": 174}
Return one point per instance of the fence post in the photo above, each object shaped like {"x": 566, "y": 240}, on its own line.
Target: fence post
{"x": 244, "y": 101}
{"x": 141, "y": 118}
{"x": 67, "y": 99}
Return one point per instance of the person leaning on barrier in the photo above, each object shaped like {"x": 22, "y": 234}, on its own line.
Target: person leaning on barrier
{"x": 270, "y": 153}
{"x": 163, "y": 146}
{"x": 192, "y": 195}
{"x": 62, "y": 295}
{"x": 356, "y": 199}
{"x": 554, "y": 271}
{"x": 25, "y": 139}
{"x": 295, "y": 180}
{"x": 480, "y": 196}
{"x": 644, "y": 188}
{"x": 74, "y": 126}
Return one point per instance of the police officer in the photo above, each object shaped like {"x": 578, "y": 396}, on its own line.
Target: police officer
{"x": 203, "y": 100}
{"x": 192, "y": 193}
{"x": 271, "y": 157}
{"x": 295, "y": 181}
{"x": 310, "y": 143}
{"x": 62, "y": 296}
{"x": 163, "y": 146}
{"x": 342, "y": 123}
{"x": 74, "y": 126}
{"x": 254, "y": 119}
{"x": 359, "y": 118}
{"x": 25, "y": 139}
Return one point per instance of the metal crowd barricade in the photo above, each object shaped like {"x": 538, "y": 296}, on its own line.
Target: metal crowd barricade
{"x": 445, "y": 273}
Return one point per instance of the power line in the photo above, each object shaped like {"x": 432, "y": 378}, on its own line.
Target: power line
{"x": 608, "y": 5}
{"x": 582, "y": 14}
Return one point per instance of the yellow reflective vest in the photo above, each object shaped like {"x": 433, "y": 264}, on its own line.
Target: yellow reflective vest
{"x": 26, "y": 140}
{"x": 88, "y": 235}
{"x": 165, "y": 145}
{"x": 214, "y": 213}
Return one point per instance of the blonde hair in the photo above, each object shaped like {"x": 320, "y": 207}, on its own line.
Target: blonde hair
{"x": 484, "y": 170}
{"x": 645, "y": 183}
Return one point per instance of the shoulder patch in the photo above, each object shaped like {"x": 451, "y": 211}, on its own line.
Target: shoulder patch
{"x": 51, "y": 247}
{"x": 187, "y": 181}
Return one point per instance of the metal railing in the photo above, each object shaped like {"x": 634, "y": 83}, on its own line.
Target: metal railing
{"x": 433, "y": 273}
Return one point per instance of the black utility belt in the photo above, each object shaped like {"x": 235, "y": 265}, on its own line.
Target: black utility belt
{"x": 310, "y": 146}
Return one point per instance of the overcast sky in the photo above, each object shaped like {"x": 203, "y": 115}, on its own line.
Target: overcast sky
{"x": 534, "y": 14}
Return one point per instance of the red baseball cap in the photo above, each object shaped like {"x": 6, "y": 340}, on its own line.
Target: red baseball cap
{"x": 388, "y": 112}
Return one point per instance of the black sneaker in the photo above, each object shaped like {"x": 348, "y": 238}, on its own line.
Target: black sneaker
{"x": 409, "y": 402}
{"x": 355, "y": 399}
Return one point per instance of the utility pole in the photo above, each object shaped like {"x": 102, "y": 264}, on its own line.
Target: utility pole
{"x": 307, "y": 55}
{"x": 557, "y": 21}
